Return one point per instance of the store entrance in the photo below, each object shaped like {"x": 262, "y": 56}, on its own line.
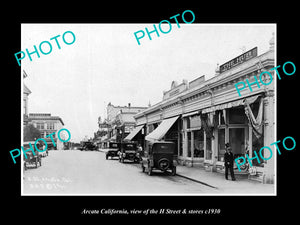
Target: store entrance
{"x": 237, "y": 141}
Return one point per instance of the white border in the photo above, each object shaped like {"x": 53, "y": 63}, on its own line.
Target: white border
{"x": 166, "y": 194}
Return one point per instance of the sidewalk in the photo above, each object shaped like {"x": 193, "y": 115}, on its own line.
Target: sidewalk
{"x": 242, "y": 185}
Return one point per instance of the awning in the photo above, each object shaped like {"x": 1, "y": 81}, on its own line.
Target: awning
{"x": 190, "y": 114}
{"x": 113, "y": 138}
{"x": 133, "y": 133}
{"x": 103, "y": 138}
{"x": 161, "y": 130}
{"x": 230, "y": 104}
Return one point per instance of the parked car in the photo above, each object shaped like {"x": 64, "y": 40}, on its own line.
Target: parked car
{"x": 160, "y": 156}
{"x": 88, "y": 145}
{"x": 31, "y": 158}
{"x": 129, "y": 151}
{"x": 112, "y": 150}
{"x": 76, "y": 146}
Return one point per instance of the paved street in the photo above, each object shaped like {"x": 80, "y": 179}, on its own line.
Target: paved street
{"x": 88, "y": 172}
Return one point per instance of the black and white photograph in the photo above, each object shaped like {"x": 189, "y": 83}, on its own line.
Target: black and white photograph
{"x": 140, "y": 109}
{"x": 150, "y": 112}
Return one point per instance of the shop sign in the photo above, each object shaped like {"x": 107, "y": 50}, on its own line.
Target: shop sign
{"x": 239, "y": 60}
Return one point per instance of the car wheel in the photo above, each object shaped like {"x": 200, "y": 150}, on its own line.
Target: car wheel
{"x": 163, "y": 164}
{"x": 106, "y": 156}
{"x": 174, "y": 171}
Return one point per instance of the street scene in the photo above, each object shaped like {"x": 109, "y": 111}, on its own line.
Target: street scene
{"x": 187, "y": 114}
{"x": 74, "y": 172}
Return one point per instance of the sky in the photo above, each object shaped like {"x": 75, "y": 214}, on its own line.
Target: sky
{"x": 106, "y": 64}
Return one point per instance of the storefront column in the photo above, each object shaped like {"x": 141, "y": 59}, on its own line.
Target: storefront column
{"x": 269, "y": 138}
{"x": 214, "y": 148}
{"x": 192, "y": 147}
{"x": 184, "y": 139}
{"x": 250, "y": 141}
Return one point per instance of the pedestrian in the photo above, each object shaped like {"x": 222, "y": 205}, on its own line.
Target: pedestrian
{"x": 140, "y": 151}
{"x": 228, "y": 156}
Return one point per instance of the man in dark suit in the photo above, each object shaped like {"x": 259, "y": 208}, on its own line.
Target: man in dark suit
{"x": 228, "y": 157}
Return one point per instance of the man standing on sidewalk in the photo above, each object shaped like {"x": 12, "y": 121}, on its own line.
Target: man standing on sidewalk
{"x": 228, "y": 156}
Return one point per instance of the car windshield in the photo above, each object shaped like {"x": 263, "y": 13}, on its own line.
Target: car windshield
{"x": 113, "y": 145}
{"x": 129, "y": 146}
{"x": 163, "y": 148}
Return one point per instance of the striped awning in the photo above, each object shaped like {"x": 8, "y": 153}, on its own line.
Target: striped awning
{"x": 161, "y": 130}
{"x": 133, "y": 133}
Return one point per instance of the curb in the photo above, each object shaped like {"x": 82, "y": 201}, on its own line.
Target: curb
{"x": 198, "y": 181}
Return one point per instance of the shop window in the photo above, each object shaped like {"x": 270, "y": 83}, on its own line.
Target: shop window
{"x": 189, "y": 149}
{"x": 195, "y": 121}
{"x": 180, "y": 144}
{"x": 198, "y": 144}
{"x": 221, "y": 120}
{"x": 237, "y": 115}
{"x": 237, "y": 141}
{"x": 221, "y": 144}
{"x": 180, "y": 124}
{"x": 188, "y": 123}
{"x": 208, "y": 148}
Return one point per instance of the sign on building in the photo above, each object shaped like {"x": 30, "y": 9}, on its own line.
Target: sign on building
{"x": 239, "y": 60}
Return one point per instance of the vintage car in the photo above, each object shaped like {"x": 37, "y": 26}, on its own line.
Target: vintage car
{"x": 129, "y": 151}
{"x": 112, "y": 150}
{"x": 88, "y": 145}
{"x": 161, "y": 156}
{"x": 32, "y": 159}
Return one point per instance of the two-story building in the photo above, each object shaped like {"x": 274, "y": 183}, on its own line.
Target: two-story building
{"x": 200, "y": 116}
{"x": 120, "y": 121}
{"x": 48, "y": 124}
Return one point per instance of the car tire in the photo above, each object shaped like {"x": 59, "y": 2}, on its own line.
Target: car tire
{"x": 106, "y": 156}
{"x": 166, "y": 161}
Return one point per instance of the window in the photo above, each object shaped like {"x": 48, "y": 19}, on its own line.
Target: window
{"x": 188, "y": 123}
{"x": 198, "y": 144}
{"x": 237, "y": 116}
{"x": 189, "y": 137}
{"x": 219, "y": 118}
{"x": 50, "y": 126}
{"x": 195, "y": 121}
{"x": 208, "y": 148}
{"x": 236, "y": 140}
{"x": 221, "y": 144}
{"x": 40, "y": 126}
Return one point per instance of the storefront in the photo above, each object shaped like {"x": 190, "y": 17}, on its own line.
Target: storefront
{"x": 208, "y": 114}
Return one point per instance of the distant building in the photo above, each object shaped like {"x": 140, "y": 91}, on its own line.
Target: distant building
{"x": 119, "y": 122}
{"x": 48, "y": 124}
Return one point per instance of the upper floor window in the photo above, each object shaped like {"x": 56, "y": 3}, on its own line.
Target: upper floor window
{"x": 50, "y": 126}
